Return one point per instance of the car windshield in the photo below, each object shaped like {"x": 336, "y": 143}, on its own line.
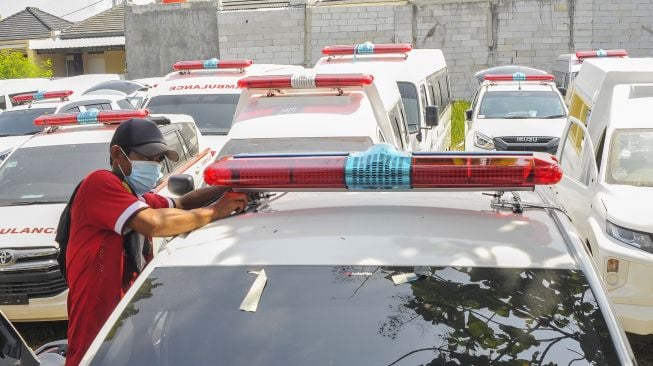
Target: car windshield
{"x": 521, "y": 104}
{"x": 48, "y": 174}
{"x": 212, "y": 113}
{"x": 295, "y": 145}
{"x": 21, "y": 122}
{"x": 358, "y": 315}
{"x": 631, "y": 158}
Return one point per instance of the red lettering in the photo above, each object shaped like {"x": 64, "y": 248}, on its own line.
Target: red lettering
{"x": 173, "y": 88}
{"x": 13, "y": 230}
{"x": 49, "y": 230}
{"x": 37, "y": 230}
{"x": 25, "y": 231}
{"x": 5, "y": 231}
{"x": 188, "y": 87}
{"x": 197, "y": 87}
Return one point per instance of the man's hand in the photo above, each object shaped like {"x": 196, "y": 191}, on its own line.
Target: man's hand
{"x": 228, "y": 203}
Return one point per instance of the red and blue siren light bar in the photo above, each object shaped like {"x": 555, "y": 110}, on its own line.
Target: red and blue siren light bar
{"x": 519, "y": 76}
{"x": 212, "y": 63}
{"x": 92, "y": 116}
{"x": 41, "y": 95}
{"x": 382, "y": 167}
{"x": 367, "y": 48}
{"x": 601, "y": 53}
{"x": 305, "y": 81}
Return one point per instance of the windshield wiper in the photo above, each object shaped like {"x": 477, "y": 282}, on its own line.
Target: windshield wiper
{"x": 516, "y": 117}
{"x": 213, "y": 133}
{"x": 553, "y": 116}
{"x": 28, "y": 203}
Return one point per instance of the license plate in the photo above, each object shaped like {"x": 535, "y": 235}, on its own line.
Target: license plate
{"x": 13, "y": 300}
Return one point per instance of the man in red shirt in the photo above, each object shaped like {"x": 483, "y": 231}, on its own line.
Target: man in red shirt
{"x": 110, "y": 204}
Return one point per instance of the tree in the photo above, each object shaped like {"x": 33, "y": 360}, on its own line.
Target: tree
{"x": 14, "y": 65}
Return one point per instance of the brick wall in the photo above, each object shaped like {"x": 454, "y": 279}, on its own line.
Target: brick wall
{"x": 473, "y": 34}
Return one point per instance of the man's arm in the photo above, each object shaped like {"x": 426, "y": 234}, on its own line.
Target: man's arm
{"x": 199, "y": 197}
{"x": 173, "y": 221}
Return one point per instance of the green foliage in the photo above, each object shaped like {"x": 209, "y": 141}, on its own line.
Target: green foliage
{"x": 458, "y": 124}
{"x": 14, "y": 65}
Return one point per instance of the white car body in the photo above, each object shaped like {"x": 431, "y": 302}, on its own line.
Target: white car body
{"x": 73, "y": 104}
{"x": 613, "y": 97}
{"x": 27, "y": 232}
{"x": 12, "y": 87}
{"x": 506, "y": 134}
{"x": 210, "y": 82}
{"x": 318, "y": 118}
{"x": 419, "y": 71}
{"x": 360, "y": 230}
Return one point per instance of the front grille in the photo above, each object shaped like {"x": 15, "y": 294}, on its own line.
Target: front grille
{"x": 32, "y": 272}
{"x": 527, "y": 143}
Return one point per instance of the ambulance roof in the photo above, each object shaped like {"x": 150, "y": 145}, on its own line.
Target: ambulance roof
{"x": 419, "y": 64}
{"x": 603, "y": 73}
{"x": 407, "y": 228}
{"x": 632, "y": 103}
{"x": 306, "y": 115}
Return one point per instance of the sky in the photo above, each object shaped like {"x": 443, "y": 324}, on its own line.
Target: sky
{"x": 61, "y": 7}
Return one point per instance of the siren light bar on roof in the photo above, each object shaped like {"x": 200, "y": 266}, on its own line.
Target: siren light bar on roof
{"x": 41, "y": 95}
{"x": 519, "y": 76}
{"x": 305, "y": 81}
{"x": 212, "y": 63}
{"x": 92, "y": 116}
{"x": 382, "y": 167}
{"x": 601, "y": 53}
{"x": 367, "y": 48}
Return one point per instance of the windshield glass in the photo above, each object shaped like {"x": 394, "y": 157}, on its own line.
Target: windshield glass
{"x": 295, "y": 145}
{"x": 411, "y": 105}
{"x": 631, "y": 158}
{"x": 21, "y": 122}
{"x": 521, "y": 104}
{"x": 355, "y": 315}
{"x": 48, "y": 174}
{"x": 212, "y": 113}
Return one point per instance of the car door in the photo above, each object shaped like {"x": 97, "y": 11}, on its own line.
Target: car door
{"x": 13, "y": 349}
{"x": 578, "y": 185}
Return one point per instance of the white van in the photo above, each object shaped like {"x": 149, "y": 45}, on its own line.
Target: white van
{"x": 309, "y": 111}
{"x": 12, "y": 87}
{"x": 205, "y": 90}
{"x": 422, "y": 79}
{"x": 607, "y": 155}
{"x": 566, "y": 67}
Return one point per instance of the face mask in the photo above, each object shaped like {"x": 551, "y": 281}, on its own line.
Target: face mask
{"x": 144, "y": 176}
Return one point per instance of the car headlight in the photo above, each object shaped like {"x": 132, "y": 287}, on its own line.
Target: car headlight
{"x": 633, "y": 238}
{"x": 482, "y": 141}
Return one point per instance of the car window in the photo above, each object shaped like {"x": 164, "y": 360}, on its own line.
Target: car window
{"x": 411, "y": 105}
{"x": 125, "y": 104}
{"x": 443, "y": 81}
{"x": 173, "y": 141}
{"x": 599, "y": 150}
{"x": 521, "y": 105}
{"x": 189, "y": 136}
{"x": 631, "y": 158}
{"x": 70, "y": 110}
{"x": 212, "y": 113}
{"x": 359, "y": 315}
{"x": 48, "y": 173}
{"x": 99, "y": 106}
{"x": 21, "y": 122}
{"x": 3, "y": 102}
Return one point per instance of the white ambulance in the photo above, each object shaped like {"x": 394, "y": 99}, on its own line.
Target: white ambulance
{"x": 36, "y": 181}
{"x": 421, "y": 77}
{"x": 207, "y": 90}
{"x": 607, "y": 156}
{"x": 17, "y": 123}
{"x": 353, "y": 259}
{"x": 309, "y": 111}
{"x": 566, "y": 67}
{"x": 12, "y": 87}
{"x": 515, "y": 112}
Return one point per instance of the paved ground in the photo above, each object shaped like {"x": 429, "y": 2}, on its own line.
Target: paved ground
{"x": 37, "y": 334}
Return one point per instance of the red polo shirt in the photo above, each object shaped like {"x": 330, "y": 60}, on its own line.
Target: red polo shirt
{"x": 95, "y": 255}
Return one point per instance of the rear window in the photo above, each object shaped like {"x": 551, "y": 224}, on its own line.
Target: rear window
{"x": 295, "y": 145}
{"x": 21, "y": 122}
{"x": 212, "y": 113}
{"x": 355, "y": 315}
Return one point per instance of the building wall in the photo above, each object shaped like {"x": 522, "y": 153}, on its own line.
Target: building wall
{"x": 474, "y": 34}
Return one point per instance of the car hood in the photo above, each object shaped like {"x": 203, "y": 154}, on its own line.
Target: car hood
{"x": 29, "y": 226}
{"x": 12, "y": 142}
{"x": 630, "y": 207}
{"x": 214, "y": 142}
{"x": 521, "y": 127}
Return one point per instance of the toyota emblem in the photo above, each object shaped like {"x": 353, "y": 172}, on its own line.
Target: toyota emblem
{"x": 6, "y": 257}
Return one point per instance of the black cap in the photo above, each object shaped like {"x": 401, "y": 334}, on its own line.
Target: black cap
{"x": 144, "y": 137}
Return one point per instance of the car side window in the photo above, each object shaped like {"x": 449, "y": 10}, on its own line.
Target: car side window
{"x": 189, "y": 135}
{"x": 3, "y": 102}
{"x": 71, "y": 110}
{"x": 124, "y": 104}
{"x": 395, "y": 123}
{"x": 422, "y": 96}
{"x": 599, "y": 150}
{"x": 572, "y": 156}
{"x": 100, "y": 106}
{"x": 444, "y": 90}
{"x": 174, "y": 142}
{"x": 435, "y": 91}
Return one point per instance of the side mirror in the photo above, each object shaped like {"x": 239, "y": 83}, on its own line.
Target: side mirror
{"x": 468, "y": 114}
{"x": 180, "y": 184}
{"x": 562, "y": 90}
{"x": 432, "y": 117}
